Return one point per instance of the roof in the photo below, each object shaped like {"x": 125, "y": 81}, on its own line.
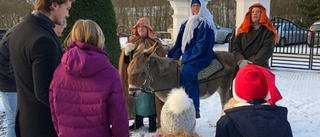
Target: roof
{"x": 317, "y": 22}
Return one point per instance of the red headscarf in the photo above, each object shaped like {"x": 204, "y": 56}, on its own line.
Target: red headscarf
{"x": 264, "y": 20}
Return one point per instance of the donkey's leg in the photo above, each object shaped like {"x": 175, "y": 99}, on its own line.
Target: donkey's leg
{"x": 159, "y": 105}
{"x": 224, "y": 91}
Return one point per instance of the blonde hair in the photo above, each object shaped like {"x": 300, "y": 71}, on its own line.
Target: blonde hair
{"x": 230, "y": 104}
{"x": 181, "y": 134}
{"x": 86, "y": 31}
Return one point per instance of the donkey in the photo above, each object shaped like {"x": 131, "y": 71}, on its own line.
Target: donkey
{"x": 147, "y": 71}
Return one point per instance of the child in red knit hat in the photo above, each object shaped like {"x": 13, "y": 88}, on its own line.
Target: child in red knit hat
{"x": 254, "y": 112}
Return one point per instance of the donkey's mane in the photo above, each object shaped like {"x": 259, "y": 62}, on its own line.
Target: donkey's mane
{"x": 164, "y": 64}
{"x": 137, "y": 63}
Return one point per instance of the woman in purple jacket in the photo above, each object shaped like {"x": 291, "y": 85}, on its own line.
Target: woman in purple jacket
{"x": 86, "y": 94}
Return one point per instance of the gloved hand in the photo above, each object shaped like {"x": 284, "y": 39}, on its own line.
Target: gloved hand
{"x": 243, "y": 63}
{"x": 128, "y": 48}
{"x": 174, "y": 58}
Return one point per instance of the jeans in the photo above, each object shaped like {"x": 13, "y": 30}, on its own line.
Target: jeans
{"x": 9, "y": 100}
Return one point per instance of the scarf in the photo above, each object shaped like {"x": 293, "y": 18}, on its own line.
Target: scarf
{"x": 193, "y": 21}
{"x": 264, "y": 20}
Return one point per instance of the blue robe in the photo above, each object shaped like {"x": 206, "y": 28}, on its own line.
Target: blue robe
{"x": 197, "y": 55}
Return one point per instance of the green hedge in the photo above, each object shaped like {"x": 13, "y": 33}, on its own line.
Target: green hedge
{"x": 100, "y": 11}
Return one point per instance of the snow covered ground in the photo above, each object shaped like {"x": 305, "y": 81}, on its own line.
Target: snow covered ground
{"x": 299, "y": 89}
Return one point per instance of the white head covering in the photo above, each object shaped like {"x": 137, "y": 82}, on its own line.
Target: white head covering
{"x": 193, "y": 22}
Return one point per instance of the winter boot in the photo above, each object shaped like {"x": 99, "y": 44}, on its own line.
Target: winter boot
{"x": 152, "y": 123}
{"x": 197, "y": 114}
{"x": 138, "y": 123}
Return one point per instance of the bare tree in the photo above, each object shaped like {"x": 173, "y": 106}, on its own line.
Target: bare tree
{"x": 223, "y": 11}
{"x": 158, "y": 11}
{"x": 286, "y": 9}
{"x": 12, "y": 11}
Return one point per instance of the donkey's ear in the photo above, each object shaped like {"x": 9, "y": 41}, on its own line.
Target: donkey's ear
{"x": 137, "y": 54}
{"x": 149, "y": 51}
{"x": 152, "y": 48}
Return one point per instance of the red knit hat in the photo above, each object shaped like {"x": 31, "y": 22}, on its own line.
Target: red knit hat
{"x": 254, "y": 82}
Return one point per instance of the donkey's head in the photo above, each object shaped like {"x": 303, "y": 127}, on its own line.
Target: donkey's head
{"x": 139, "y": 72}
{"x": 149, "y": 72}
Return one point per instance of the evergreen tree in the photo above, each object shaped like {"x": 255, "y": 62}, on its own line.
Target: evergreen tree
{"x": 100, "y": 11}
{"x": 311, "y": 11}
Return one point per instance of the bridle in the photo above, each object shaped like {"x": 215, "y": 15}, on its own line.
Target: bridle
{"x": 144, "y": 88}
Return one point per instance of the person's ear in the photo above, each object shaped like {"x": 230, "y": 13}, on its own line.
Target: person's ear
{"x": 53, "y": 6}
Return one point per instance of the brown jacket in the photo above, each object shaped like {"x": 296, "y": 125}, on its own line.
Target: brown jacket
{"x": 256, "y": 46}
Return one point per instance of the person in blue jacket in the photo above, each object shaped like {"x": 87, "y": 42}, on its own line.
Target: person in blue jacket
{"x": 8, "y": 87}
{"x": 254, "y": 112}
{"x": 194, "y": 43}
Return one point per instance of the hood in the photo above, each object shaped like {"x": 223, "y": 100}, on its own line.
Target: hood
{"x": 193, "y": 22}
{"x": 260, "y": 120}
{"x": 84, "y": 60}
{"x": 264, "y": 20}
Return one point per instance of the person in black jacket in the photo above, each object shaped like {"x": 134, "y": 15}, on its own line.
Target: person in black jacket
{"x": 35, "y": 53}
{"x": 255, "y": 38}
{"x": 254, "y": 112}
{"x": 8, "y": 89}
